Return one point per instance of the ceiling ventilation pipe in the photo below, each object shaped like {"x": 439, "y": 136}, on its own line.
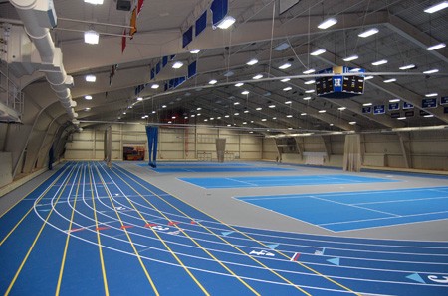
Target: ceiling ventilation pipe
{"x": 38, "y": 16}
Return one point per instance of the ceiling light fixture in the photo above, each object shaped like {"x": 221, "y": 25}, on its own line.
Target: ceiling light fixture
{"x": 264, "y": 119}
{"x": 352, "y": 122}
{"x": 285, "y": 66}
{"x": 307, "y": 98}
{"x": 310, "y": 91}
{"x": 246, "y": 92}
{"x": 437, "y": 46}
{"x": 327, "y": 23}
{"x": 287, "y": 88}
{"x": 285, "y": 79}
{"x": 139, "y": 99}
{"x": 259, "y": 109}
{"x": 88, "y": 109}
{"x": 350, "y": 58}
{"x": 390, "y": 80}
{"x": 380, "y": 62}
{"x": 303, "y": 114}
{"x": 271, "y": 106}
{"x": 155, "y": 86}
{"x": 406, "y": 67}
{"x": 394, "y": 100}
{"x": 310, "y": 81}
{"x": 428, "y": 115}
{"x": 367, "y": 104}
{"x": 318, "y": 52}
{"x": 368, "y": 77}
{"x": 368, "y": 33}
{"x": 401, "y": 118}
{"x": 94, "y": 2}
{"x": 436, "y": 7}
{"x": 431, "y": 71}
{"x": 177, "y": 65}
{"x": 239, "y": 84}
{"x": 257, "y": 76}
{"x": 289, "y": 116}
{"x": 213, "y": 81}
{"x": 226, "y": 22}
{"x": 431, "y": 95}
{"x": 88, "y": 97}
{"x": 288, "y": 102}
{"x": 322, "y": 111}
{"x": 195, "y": 51}
{"x": 91, "y": 37}
{"x": 309, "y": 71}
{"x": 252, "y": 62}
{"x": 342, "y": 108}
{"x": 282, "y": 46}
{"x": 90, "y": 78}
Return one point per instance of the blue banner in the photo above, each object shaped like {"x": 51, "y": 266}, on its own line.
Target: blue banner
{"x": 219, "y": 10}
{"x": 429, "y": 103}
{"x": 201, "y": 24}
{"x": 394, "y": 106}
{"x": 443, "y": 100}
{"x": 366, "y": 110}
{"x": 407, "y": 105}
{"x": 187, "y": 37}
{"x": 192, "y": 70}
{"x": 379, "y": 109}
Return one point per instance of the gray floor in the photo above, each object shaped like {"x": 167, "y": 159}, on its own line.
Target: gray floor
{"x": 220, "y": 204}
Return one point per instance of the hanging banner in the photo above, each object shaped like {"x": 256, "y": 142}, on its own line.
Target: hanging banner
{"x": 407, "y": 105}
{"x": 394, "y": 106}
{"x": 379, "y": 109}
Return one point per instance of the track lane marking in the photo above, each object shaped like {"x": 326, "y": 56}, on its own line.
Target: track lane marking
{"x": 64, "y": 256}
{"x": 11, "y": 284}
{"x": 193, "y": 240}
{"x": 151, "y": 282}
{"x": 216, "y": 235}
{"x": 103, "y": 267}
{"x": 35, "y": 204}
{"x": 250, "y": 238}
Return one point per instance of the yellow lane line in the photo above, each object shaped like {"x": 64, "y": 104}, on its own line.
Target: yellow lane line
{"x": 249, "y": 237}
{"x": 58, "y": 287}
{"x": 32, "y": 207}
{"x": 127, "y": 235}
{"x": 189, "y": 237}
{"x": 36, "y": 239}
{"x": 103, "y": 267}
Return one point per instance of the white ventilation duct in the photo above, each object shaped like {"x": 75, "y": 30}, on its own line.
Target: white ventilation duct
{"x": 38, "y": 16}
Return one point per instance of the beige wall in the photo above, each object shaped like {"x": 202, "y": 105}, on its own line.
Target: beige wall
{"x": 427, "y": 149}
{"x": 174, "y": 143}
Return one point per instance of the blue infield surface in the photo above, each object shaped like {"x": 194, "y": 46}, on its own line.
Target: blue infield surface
{"x": 345, "y": 211}
{"x": 268, "y": 181}
{"x": 209, "y": 167}
{"x": 91, "y": 230}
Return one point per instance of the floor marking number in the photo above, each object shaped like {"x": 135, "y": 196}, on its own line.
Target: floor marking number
{"x": 436, "y": 279}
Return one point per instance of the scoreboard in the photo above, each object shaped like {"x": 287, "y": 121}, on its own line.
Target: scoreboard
{"x": 340, "y": 86}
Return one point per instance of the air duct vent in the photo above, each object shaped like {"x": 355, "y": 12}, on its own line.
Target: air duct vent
{"x": 124, "y": 5}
